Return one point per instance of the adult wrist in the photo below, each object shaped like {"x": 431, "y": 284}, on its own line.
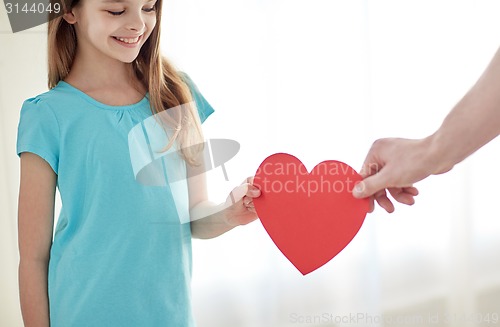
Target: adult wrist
{"x": 438, "y": 154}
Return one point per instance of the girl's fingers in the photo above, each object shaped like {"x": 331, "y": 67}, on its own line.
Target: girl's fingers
{"x": 253, "y": 191}
{"x": 247, "y": 202}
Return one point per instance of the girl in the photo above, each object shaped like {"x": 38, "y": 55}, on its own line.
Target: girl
{"x": 120, "y": 255}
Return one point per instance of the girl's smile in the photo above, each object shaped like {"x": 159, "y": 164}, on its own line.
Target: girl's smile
{"x": 129, "y": 42}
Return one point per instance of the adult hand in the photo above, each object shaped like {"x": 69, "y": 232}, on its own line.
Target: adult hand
{"x": 394, "y": 165}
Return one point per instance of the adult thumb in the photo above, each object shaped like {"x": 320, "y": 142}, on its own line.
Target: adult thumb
{"x": 369, "y": 186}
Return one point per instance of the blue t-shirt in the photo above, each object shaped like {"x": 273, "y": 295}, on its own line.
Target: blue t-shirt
{"x": 120, "y": 255}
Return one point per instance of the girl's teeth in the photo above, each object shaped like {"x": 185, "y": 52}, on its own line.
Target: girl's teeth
{"x": 134, "y": 40}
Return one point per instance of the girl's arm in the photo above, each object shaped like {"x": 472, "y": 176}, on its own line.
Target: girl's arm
{"x": 35, "y": 223}
{"x": 209, "y": 220}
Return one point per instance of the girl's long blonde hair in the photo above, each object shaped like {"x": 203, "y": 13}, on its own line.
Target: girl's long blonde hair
{"x": 165, "y": 86}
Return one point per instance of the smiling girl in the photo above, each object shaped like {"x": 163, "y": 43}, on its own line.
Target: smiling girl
{"x": 120, "y": 255}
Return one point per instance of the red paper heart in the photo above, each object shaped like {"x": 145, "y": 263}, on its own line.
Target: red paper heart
{"x": 310, "y": 217}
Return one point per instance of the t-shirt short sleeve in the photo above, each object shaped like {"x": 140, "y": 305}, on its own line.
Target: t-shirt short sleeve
{"x": 204, "y": 108}
{"x": 38, "y": 131}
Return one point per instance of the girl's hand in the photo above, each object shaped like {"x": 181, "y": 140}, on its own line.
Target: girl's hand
{"x": 239, "y": 205}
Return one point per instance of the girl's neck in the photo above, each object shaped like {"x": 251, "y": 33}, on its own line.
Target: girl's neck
{"x": 99, "y": 73}
{"x": 108, "y": 81}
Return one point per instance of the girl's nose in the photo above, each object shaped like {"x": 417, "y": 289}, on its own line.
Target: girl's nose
{"x": 136, "y": 22}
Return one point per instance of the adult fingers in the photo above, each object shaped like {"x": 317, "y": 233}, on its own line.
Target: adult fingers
{"x": 384, "y": 201}
{"x": 371, "y": 185}
{"x": 400, "y": 195}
